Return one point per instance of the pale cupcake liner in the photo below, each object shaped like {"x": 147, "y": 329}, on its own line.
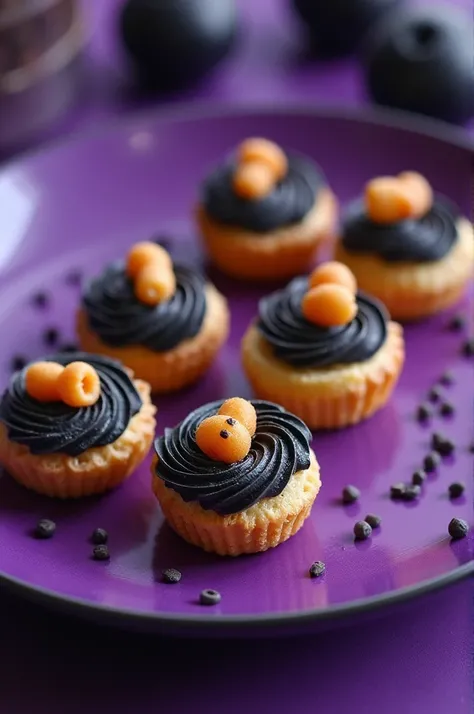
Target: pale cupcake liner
{"x": 329, "y": 398}
{"x": 95, "y": 471}
{"x": 264, "y": 525}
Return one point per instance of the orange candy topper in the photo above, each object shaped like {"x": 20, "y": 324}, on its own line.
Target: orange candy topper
{"x": 260, "y": 165}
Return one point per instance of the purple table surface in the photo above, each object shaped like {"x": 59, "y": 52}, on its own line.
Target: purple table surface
{"x": 414, "y": 659}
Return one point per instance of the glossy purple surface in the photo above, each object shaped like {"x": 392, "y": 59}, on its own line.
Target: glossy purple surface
{"x": 58, "y": 219}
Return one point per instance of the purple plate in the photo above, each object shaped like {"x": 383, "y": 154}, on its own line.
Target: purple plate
{"x": 73, "y": 207}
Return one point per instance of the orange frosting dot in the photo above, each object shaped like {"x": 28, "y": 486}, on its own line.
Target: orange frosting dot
{"x": 266, "y": 152}
{"x": 223, "y": 438}
{"x": 243, "y": 411}
{"x": 329, "y": 305}
{"x": 253, "y": 180}
{"x": 154, "y": 284}
{"x": 146, "y": 253}
{"x": 420, "y": 191}
{"x": 41, "y": 381}
{"x": 388, "y": 200}
{"x": 79, "y": 385}
{"x": 334, "y": 273}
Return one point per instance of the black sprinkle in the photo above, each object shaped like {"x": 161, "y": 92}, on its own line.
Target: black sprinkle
{"x": 99, "y": 536}
{"x": 373, "y": 520}
{"x": 418, "y": 478}
{"x": 436, "y": 440}
{"x": 397, "y": 490}
{"x": 317, "y": 569}
{"x": 224, "y": 434}
{"x": 457, "y": 323}
{"x": 209, "y": 597}
{"x": 468, "y": 348}
{"x": 74, "y": 277}
{"x": 424, "y": 412}
{"x": 350, "y": 494}
{"x": 362, "y": 530}
{"x": 50, "y": 336}
{"x": 100, "y": 552}
{"x": 45, "y": 529}
{"x": 445, "y": 447}
{"x": 18, "y": 362}
{"x": 446, "y": 409}
{"x": 447, "y": 378}
{"x": 412, "y": 492}
{"x": 171, "y": 576}
{"x": 434, "y": 395}
{"x": 68, "y": 347}
{"x": 431, "y": 462}
{"x": 456, "y": 489}
{"x": 41, "y": 299}
{"x": 230, "y": 421}
{"x": 458, "y": 528}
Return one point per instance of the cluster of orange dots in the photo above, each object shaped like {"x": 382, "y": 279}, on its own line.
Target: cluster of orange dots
{"x": 331, "y": 298}
{"x": 390, "y": 199}
{"x": 227, "y": 436}
{"x": 77, "y": 384}
{"x": 260, "y": 165}
{"x": 151, "y": 269}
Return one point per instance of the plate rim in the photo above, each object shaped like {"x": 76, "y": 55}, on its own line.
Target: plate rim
{"x": 205, "y": 111}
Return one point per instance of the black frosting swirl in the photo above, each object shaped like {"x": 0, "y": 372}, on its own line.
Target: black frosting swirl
{"x": 280, "y": 448}
{"x": 54, "y": 427}
{"x": 289, "y": 202}
{"x": 119, "y": 318}
{"x": 428, "y": 238}
{"x": 301, "y": 343}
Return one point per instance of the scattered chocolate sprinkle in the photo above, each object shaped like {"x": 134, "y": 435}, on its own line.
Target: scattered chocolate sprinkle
{"x": 74, "y": 277}
{"x": 68, "y": 347}
{"x": 468, "y": 348}
{"x": 317, "y": 569}
{"x": 99, "y": 536}
{"x": 458, "y": 528}
{"x": 431, "y": 462}
{"x": 50, "y": 336}
{"x": 456, "y": 489}
{"x": 436, "y": 439}
{"x": 434, "y": 395}
{"x": 445, "y": 447}
{"x": 423, "y": 412}
{"x": 447, "y": 378}
{"x": 457, "y": 323}
{"x": 397, "y": 490}
{"x": 224, "y": 434}
{"x": 171, "y": 576}
{"x": 230, "y": 421}
{"x": 45, "y": 529}
{"x": 446, "y": 409}
{"x": 362, "y": 530}
{"x": 373, "y": 520}
{"x": 100, "y": 552}
{"x": 418, "y": 478}
{"x": 350, "y": 494}
{"x": 412, "y": 492}
{"x": 41, "y": 299}
{"x": 18, "y": 362}
{"x": 209, "y": 597}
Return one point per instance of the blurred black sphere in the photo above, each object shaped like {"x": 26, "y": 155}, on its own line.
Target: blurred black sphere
{"x": 174, "y": 43}
{"x": 421, "y": 60}
{"x": 336, "y": 27}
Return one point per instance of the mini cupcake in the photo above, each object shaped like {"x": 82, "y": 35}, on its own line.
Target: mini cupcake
{"x": 163, "y": 321}
{"x": 263, "y": 213}
{"x": 412, "y": 250}
{"x": 74, "y": 425}
{"x": 236, "y": 477}
{"x": 324, "y": 352}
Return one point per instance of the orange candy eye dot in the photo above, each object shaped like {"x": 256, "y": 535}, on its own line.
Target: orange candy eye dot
{"x": 154, "y": 285}
{"x": 79, "y": 385}
{"x": 266, "y": 152}
{"x": 329, "y": 305}
{"x": 41, "y": 381}
{"x": 146, "y": 253}
{"x": 223, "y": 438}
{"x": 243, "y": 411}
{"x": 335, "y": 273}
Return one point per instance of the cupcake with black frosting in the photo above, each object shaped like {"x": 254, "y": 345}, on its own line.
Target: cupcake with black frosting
{"x": 324, "y": 351}
{"x": 236, "y": 476}
{"x": 164, "y": 321}
{"x": 263, "y": 214}
{"x": 413, "y": 250}
{"x": 74, "y": 424}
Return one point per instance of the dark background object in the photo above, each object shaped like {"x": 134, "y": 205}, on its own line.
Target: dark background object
{"x": 421, "y": 60}
{"x": 336, "y": 27}
{"x": 173, "y": 43}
